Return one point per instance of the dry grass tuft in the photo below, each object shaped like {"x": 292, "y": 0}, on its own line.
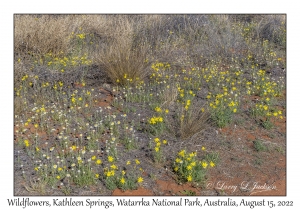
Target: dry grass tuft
{"x": 169, "y": 96}
{"x": 36, "y": 187}
{"x": 194, "y": 122}
{"x": 18, "y": 106}
{"x": 40, "y": 35}
{"x": 121, "y": 57}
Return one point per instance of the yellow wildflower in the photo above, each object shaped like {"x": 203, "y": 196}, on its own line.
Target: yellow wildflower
{"x": 181, "y": 153}
{"x": 110, "y": 159}
{"x": 140, "y": 180}
{"x": 122, "y": 180}
{"x": 204, "y": 164}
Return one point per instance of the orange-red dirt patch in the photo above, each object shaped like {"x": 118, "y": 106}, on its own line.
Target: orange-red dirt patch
{"x": 139, "y": 192}
{"x": 172, "y": 188}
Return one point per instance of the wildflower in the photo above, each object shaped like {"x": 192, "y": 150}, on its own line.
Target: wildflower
{"x": 26, "y": 142}
{"x": 54, "y": 166}
{"x": 36, "y": 125}
{"x": 93, "y": 157}
{"x": 97, "y": 175}
{"x": 212, "y": 164}
{"x": 189, "y": 178}
{"x": 140, "y": 180}
{"x": 156, "y": 140}
{"x": 98, "y": 162}
{"x": 192, "y": 154}
{"x": 152, "y": 120}
{"x": 165, "y": 141}
{"x": 181, "y": 153}
{"x": 137, "y": 161}
{"x": 204, "y": 164}
{"x": 113, "y": 166}
{"x": 123, "y": 172}
{"x": 166, "y": 111}
{"x": 178, "y": 160}
{"x": 157, "y": 109}
{"x": 156, "y": 149}
{"x": 128, "y": 162}
{"x": 203, "y": 148}
{"x": 189, "y": 167}
{"x": 110, "y": 173}
{"x": 59, "y": 169}
{"x": 110, "y": 159}
{"x": 122, "y": 180}
{"x": 36, "y": 168}
{"x": 176, "y": 168}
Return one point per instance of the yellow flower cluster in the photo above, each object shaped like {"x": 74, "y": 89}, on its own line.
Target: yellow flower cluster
{"x": 223, "y": 101}
{"x": 187, "y": 167}
{"x": 80, "y": 36}
{"x": 158, "y": 144}
{"x": 109, "y": 173}
{"x": 62, "y": 61}
{"x": 24, "y": 77}
{"x": 262, "y": 109}
{"x": 155, "y": 120}
{"x": 26, "y": 143}
{"x": 160, "y": 66}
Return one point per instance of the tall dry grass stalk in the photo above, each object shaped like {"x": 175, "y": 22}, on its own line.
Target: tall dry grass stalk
{"x": 194, "y": 122}
{"x": 169, "y": 96}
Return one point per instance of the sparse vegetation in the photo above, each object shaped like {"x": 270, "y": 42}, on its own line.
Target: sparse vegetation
{"x": 259, "y": 146}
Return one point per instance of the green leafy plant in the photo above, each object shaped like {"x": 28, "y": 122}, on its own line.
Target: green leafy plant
{"x": 259, "y": 146}
{"x": 189, "y": 169}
